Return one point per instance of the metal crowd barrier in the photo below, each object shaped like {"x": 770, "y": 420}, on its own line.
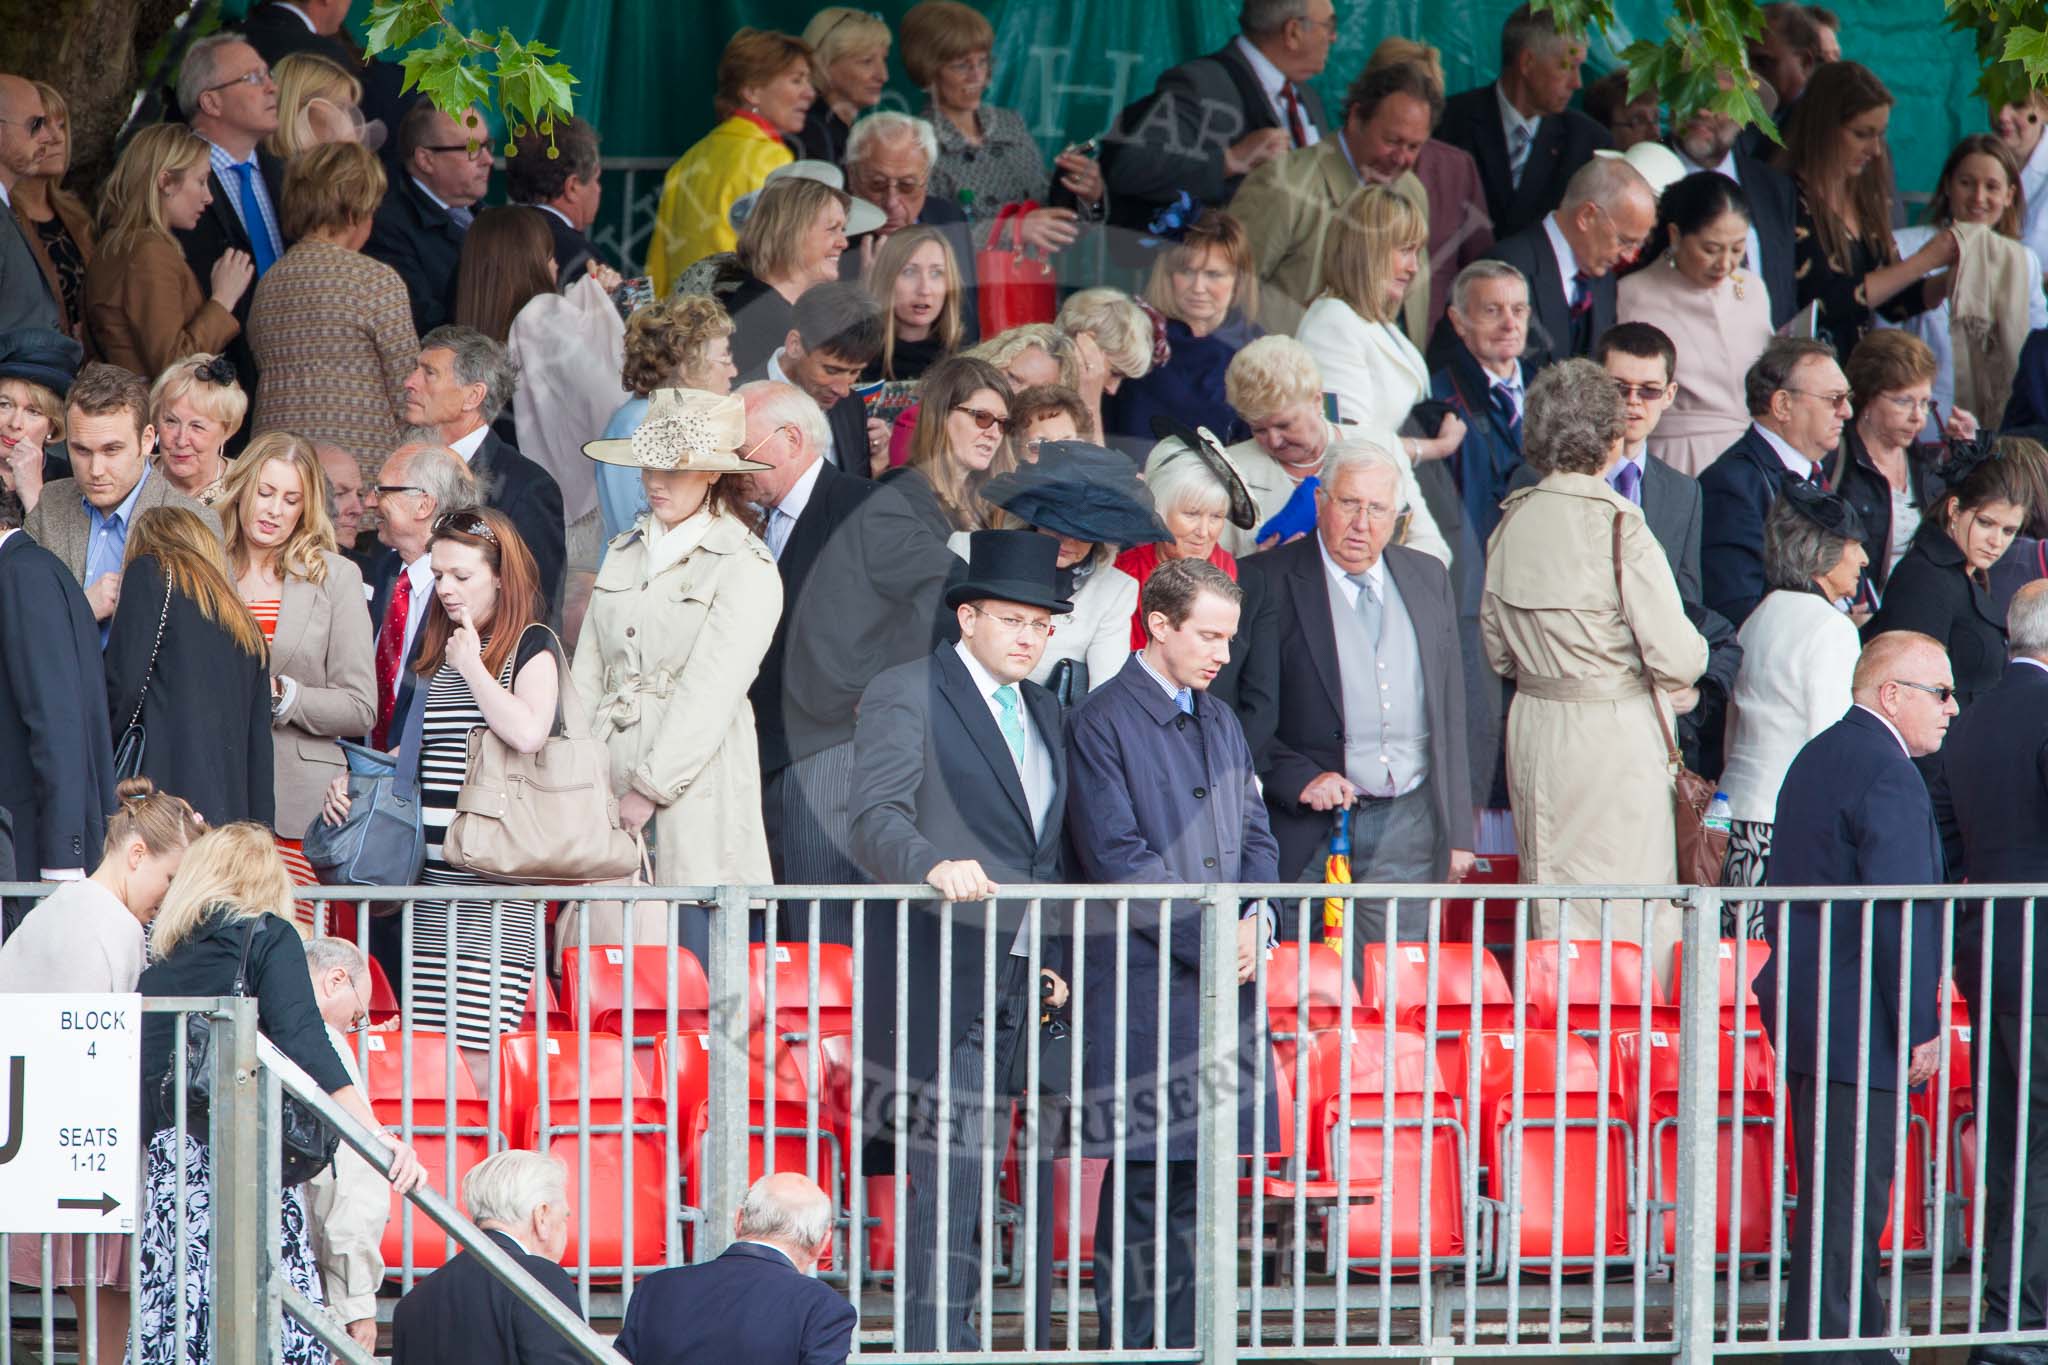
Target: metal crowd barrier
{"x": 1484, "y": 1141}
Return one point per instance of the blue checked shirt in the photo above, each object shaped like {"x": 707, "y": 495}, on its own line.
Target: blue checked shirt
{"x": 231, "y": 186}
{"x": 106, "y": 543}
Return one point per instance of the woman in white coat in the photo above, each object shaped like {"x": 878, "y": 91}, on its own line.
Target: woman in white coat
{"x": 682, "y": 611}
{"x": 1371, "y": 256}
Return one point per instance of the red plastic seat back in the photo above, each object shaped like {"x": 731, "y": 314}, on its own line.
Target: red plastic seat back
{"x": 793, "y": 986}
{"x": 1329, "y": 995}
{"x": 1629, "y": 980}
{"x": 1094, "y": 1170}
{"x": 525, "y": 1071}
{"x": 612, "y": 1189}
{"x": 1398, "y": 985}
{"x": 606, "y": 984}
{"x": 1383, "y": 1161}
{"x": 384, "y": 1077}
{"x": 1756, "y": 952}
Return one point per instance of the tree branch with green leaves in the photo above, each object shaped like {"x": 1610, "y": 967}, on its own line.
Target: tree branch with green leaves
{"x": 458, "y": 70}
{"x": 1702, "y": 62}
{"x": 2012, "y": 46}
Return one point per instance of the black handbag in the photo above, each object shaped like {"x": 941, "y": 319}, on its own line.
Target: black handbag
{"x": 308, "y": 1144}
{"x": 134, "y": 743}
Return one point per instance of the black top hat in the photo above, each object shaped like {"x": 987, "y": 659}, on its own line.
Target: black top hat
{"x": 40, "y": 356}
{"x": 1831, "y": 512}
{"x": 1203, "y": 445}
{"x": 1011, "y": 566}
{"x": 1081, "y": 490}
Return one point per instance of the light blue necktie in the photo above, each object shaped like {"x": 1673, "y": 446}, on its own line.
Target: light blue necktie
{"x": 260, "y": 245}
{"x": 1011, "y": 721}
{"x": 1185, "y": 700}
{"x": 1519, "y": 143}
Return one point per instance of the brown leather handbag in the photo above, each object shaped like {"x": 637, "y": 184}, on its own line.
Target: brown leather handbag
{"x": 1702, "y": 850}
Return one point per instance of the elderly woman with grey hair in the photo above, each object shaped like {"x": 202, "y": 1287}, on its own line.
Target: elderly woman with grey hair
{"x": 1582, "y": 614}
{"x": 1799, "y": 652}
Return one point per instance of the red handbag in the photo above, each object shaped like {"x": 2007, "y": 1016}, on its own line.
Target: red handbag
{"x": 1013, "y": 286}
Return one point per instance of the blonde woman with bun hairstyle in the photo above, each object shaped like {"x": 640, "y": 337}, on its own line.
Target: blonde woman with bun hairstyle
{"x": 224, "y": 918}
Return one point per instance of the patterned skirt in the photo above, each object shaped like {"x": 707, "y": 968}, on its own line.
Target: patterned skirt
{"x": 1749, "y": 853}
{"x": 156, "y": 1298}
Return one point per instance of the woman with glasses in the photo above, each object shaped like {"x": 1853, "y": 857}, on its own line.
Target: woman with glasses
{"x": 680, "y": 618}
{"x": 1941, "y": 587}
{"x": 988, "y": 159}
{"x": 308, "y": 601}
{"x": 486, "y": 660}
{"x": 849, "y": 68}
{"x": 144, "y": 307}
{"x": 1799, "y": 650}
{"x": 1843, "y": 255}
{"x": 960, "y": 441}
{"x": 1881, "y": 467}
{"x": 1704, "y": 296}
{"x": 57, "y": 225}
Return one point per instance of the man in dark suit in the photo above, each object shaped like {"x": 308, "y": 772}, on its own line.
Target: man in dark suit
{"x": 757, "y": 1301}
{"x": 803, "y": 500}
{"x": 960, "y": 781}
{"x": 1211, "y": 121}
{"x": 1162, "y": 790}
{"x": 835, "y": 332}
{"x": 56, "y": 749}
{"x": 1528, "y": 141}
{"x": 1991, "y": 800}
{"x": 462, "y": 382}
{"x": 226, "y": 91}
{"x": 1486, "y": 379}
{"x": 25, "y": 135}
{"x": 1798, "y": 400}
{"x": 1371, "y": 706}
{"x": 1710, "y": 141}
{"x": 426, "y": 212}
{"x": 565, "y": 188}
{"x": 1854, "y": 812}
{"x": 464, "y": 1312}
{"x": 1569, "y": 260}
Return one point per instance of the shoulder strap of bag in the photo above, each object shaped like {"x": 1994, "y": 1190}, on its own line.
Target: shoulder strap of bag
{"x": 150, "y": 671}
{"x": 568, "y": 719}
{"x": 1656, "y": 703}
{"x": 405, "y": 779}
{"x": 242, "y": 968}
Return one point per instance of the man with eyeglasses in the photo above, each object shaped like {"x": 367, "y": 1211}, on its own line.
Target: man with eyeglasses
{"x": 348, "y": 1202}
{"x": 1569, "y": 259}
{"x": 416, "y": 485}
{"x": 960, "y": 782}
{"x": 1854, "y": 812}
{"x": 1798, "y": 401}
{"x": 889, "y": 157}
{"x": 25, "y": 135}
{"x": 418, "y": 230}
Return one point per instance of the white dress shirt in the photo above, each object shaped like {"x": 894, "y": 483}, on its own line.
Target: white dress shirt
{"x": 1567, "y": 260}
{"x": 467, "y": 446}
{"x": 420, "y": 573}
{"x": 1889, "y": 726}
{"x": 1034, "y": 768}
{"x": 782, "y": 517}
{"x": 1341, "y": 581}
{"x": 1787, "y": 456}
{"x": 1511, "y": 119}
{"x": 1274, "y": 82}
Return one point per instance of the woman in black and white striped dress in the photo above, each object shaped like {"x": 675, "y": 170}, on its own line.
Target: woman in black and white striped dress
{"x": 488, "y": 663}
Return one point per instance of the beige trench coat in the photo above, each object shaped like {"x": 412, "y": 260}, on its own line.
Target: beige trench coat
{"x": 1587, "y": 770}
{"x": 664, "y": 664}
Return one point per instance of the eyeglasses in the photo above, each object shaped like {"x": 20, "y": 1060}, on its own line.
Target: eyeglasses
{"x": 1833, "y": 400}
{"x": 1640, "y": 393}
{"x": 984, "y": 419}
{"x": 394, "y": 489}
{"x": 1630, "y": 246}
{"x": 1016, "y": 625}
{"x": 1944, "y": 695}
{"x": 1911, "y": 407}
{"x": 464, "y": 524}
{"x": 256, "y": 79}
{"x": 34, "y": 125}
{"x": 879, "y": 187}
{"x": 361, "y": 1020}
{"x": 471, "y": 150}
{"x": 835, "y": 25}
{"x": 1327, "y": 25}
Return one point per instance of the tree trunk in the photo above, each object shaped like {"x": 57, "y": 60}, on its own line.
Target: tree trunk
{"x": 98, "y": 53}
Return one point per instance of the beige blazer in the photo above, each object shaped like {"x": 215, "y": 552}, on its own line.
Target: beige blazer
{"x": 1287, "y": 206}
{"x": 323, "y": 644}
{"x": 664, "y": 663}
{"x": 59, "y": 523}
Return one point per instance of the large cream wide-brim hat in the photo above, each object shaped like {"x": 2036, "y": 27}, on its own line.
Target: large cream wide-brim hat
{"x": 684, "y": 430}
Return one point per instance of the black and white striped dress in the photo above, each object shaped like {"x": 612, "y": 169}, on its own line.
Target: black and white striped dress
{"x": 452, "y": 940}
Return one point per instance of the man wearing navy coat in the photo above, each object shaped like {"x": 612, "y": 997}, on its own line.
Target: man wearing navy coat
{"x": 960, "y": 781}
{"x": 1853, "y": 812}
{"x": 1161, "y": 789}
{"x": 1991, "y": 799}
{"x": 1798, "y": 400}
{"x": 757, "y": 1302}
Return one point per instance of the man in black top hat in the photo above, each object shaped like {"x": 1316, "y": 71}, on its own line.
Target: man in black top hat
{"x": 960, "y": 781}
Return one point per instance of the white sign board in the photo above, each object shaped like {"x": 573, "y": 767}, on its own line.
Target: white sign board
{"x": 70, "y": 1127}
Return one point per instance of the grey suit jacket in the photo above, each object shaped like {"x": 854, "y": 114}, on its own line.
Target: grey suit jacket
{"x": 1672, "y": 505}
{"x": 323, "y": 644}
{"x": 25, "y": 298}
{"x": 59, "y": 523}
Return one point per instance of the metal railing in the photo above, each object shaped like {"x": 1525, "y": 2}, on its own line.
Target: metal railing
{"x": 1481, "y": 1142}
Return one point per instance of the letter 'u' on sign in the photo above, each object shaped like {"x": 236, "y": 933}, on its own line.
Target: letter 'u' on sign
{"x": 70, "y": 1123}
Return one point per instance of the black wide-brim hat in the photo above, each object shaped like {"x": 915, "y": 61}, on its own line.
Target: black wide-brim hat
{"x": 1202, "y": 444}
{"x": 1831, "y": 512}
{"x": 1082, "y": 490}
{"x": 40, "y": 356}
{"x": 1011, "y": 566}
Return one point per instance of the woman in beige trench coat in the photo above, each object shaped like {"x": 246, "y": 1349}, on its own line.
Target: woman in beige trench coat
{"x": 1588, "y": 775}
{"x": 682, "y": 611}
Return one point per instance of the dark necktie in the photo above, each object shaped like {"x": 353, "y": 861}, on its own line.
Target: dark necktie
{"x": 1582, "y": 303}
{"x": 1628, "y": 481}
{"x": 1297, "y": 126}
{"x": 1510, "y": 411}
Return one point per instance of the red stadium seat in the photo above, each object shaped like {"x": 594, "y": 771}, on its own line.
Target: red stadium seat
{"x": 1758, "y": 952}
{"x": 520, "y": 1075}
{"x": 606, "y": 971}
{"x": 1629, "y": 980}
{"x": 383, "y": 1001}
{"x": 612, "y": 1188}
{"x": 1328, "y": 996}
{"x": 1496, "y": 917}
{"x": 1398, "y": 985}
{"x": 1560, "y": 1108}
{"x": 1094, "y": 1170}
{"x": 793, "y": 990}
{"x": 449, "y": 1126}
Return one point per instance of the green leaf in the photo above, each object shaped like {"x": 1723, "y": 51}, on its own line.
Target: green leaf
{"x": 445, "y": 75}
{"x": 394, "y": 23}
{"x": 2029, "y": 48}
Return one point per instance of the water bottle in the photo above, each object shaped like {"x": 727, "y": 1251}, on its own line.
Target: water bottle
{"x": 1720, "y": 817}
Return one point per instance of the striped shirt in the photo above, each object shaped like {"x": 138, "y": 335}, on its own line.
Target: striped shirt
{"x": 231, "y": 184}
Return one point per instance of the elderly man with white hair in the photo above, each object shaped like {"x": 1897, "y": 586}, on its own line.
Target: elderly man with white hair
{"x": 348, "y": 1203}
{"x": 1277, "y": 388}
{"x": 1369, "y": 713}
{"x": 757, "y": 1302}
{"x": 464, "y": 1312}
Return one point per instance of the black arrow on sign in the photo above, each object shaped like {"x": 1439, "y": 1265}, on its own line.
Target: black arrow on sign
{"x": 106, "y": 1204}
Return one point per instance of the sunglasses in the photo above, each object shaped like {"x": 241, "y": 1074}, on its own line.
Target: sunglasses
{"x": 1939, "y": 693}
{"x": 464, "y": 524}
{"x": 984, "y": 419}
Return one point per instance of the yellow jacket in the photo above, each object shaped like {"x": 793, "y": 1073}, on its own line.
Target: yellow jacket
{"x": 731, "y": 160}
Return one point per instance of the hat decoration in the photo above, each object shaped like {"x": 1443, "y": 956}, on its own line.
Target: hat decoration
{"x": 684, "y": 429}
{"x": 1201, "y": 444}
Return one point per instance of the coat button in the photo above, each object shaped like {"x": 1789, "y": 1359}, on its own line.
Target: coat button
{"x": 1208, "y": 862}
{"x": 629, "y": 632}
{"x": 1201, "y": 792}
